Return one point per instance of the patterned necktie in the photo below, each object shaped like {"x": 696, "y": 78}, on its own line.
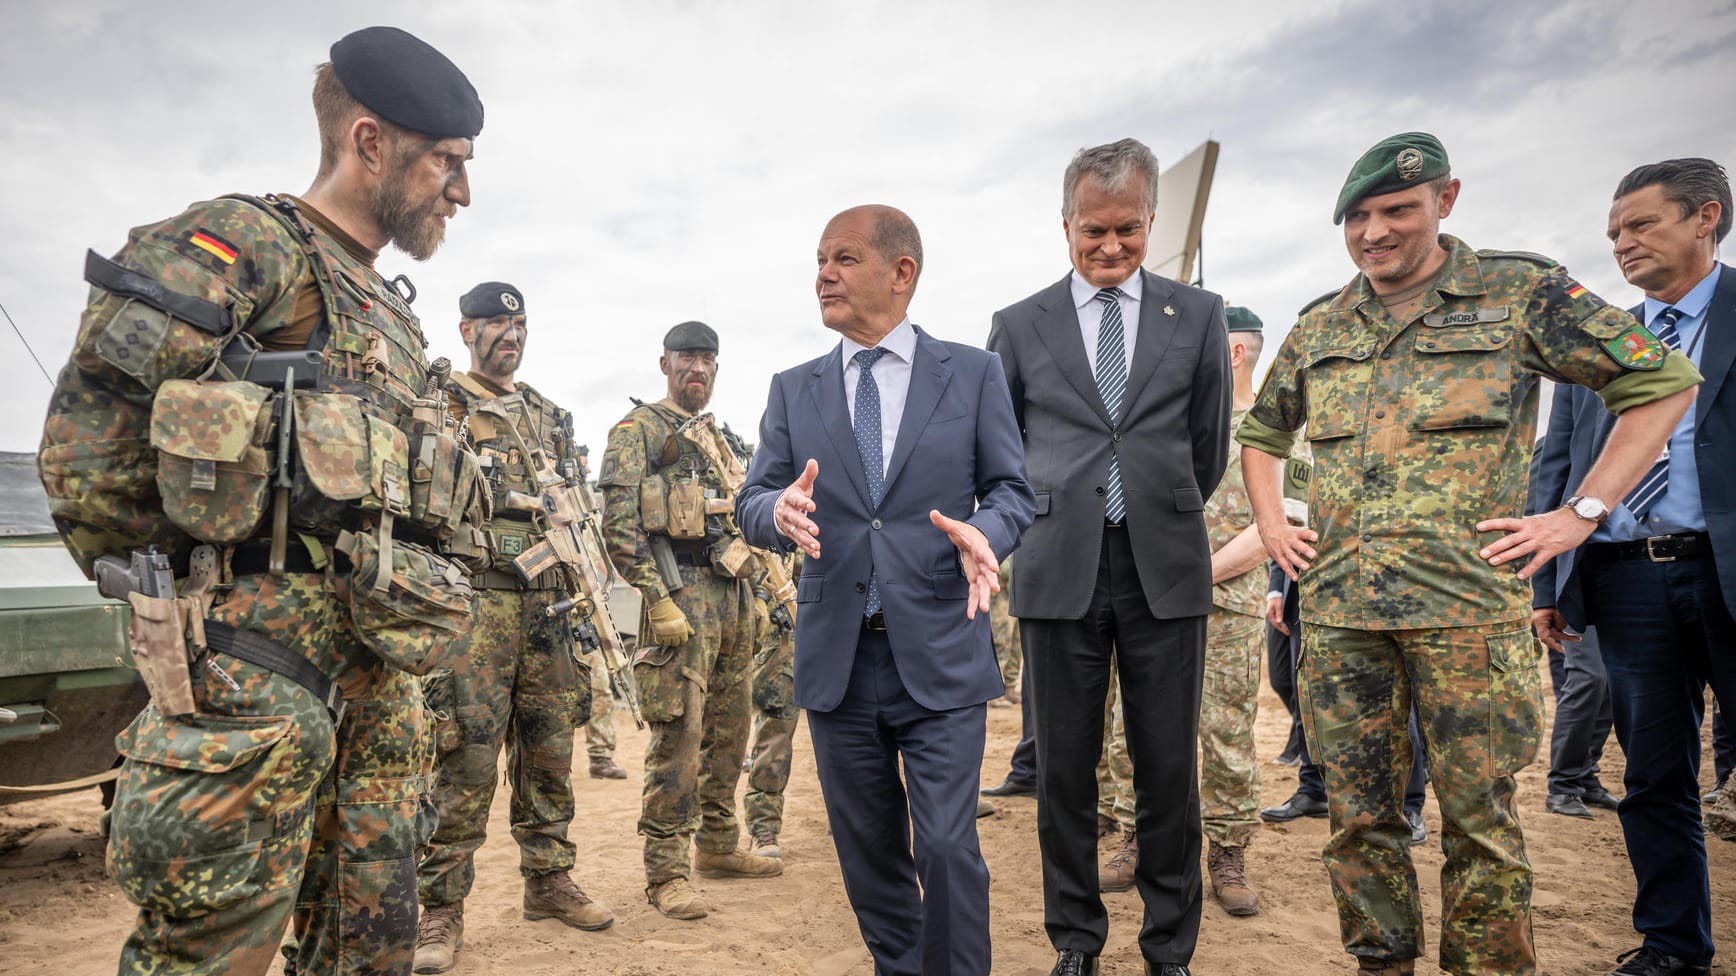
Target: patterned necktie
{"x": 1111, "y": 384}
{"x": 1657, "y": 480}
{"x": 868, "y": 443}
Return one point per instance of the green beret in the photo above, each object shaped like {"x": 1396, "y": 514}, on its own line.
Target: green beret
{"x": 691, "y": 337}
{"x": 489, "y": 299}
{"x": 1242, "y": 320}
{"x": 1395, "y": 163}
{"x": 402, "y": 79}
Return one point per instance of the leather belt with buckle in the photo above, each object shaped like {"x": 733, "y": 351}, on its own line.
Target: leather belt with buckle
{"x": 1659, "y": 548}
{"x": 875, "y": 621}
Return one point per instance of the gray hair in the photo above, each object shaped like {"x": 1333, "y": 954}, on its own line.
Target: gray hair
{"x": 1113, "y": 166}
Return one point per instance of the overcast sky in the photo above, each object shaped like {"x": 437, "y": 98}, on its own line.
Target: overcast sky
{"x": 648, "y": 162}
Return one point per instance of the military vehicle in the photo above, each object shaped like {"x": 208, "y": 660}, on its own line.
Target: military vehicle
{"x": 67, "y": 685}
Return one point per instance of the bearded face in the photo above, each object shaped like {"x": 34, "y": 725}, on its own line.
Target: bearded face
{"x": 691, "y": 377}
{"x": 423, "y": 187}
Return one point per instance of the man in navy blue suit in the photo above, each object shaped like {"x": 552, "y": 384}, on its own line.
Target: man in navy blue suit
{"x": 1657, "y": 578}
{"x": 899, "y": 452}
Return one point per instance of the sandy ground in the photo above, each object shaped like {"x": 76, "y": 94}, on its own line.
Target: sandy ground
{"x": 59, "y": 914}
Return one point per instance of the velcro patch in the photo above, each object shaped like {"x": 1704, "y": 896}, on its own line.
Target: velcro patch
{"x": 1499, "y": 313}
{"x": 1637, "y": 349}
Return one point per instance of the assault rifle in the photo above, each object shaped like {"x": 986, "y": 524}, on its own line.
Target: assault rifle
{"x": 701, "y": 431}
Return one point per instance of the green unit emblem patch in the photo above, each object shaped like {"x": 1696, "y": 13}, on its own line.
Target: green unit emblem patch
{"x": 1637, "y": 349}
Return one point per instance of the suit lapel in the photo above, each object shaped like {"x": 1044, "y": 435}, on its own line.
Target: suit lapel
{"x": 1058, "y": 329}
{"x": 826, "y": 389}
{"x": 1157, "y": 321}
{"x": 1720, "y": 354}
{"x": 929, "y": 375}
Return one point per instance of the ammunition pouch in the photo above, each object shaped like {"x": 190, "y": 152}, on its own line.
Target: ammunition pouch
{"x": 213, "y": 467}
{"x": 686, "y": 510}
{"x": 409, "y": 604}
{"x": 350, "y": 459}
{"x": 732, "y": 557}
{"x": 654, "y": 505}
{"x": 446, "y": 486}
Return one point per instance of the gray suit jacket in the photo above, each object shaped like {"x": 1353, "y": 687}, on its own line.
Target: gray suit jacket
{"x": 1172, "y": 439}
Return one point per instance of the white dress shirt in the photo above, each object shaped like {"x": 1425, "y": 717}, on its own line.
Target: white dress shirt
{"x": 1091, "y": 314}
{"x": 891, "y": 376}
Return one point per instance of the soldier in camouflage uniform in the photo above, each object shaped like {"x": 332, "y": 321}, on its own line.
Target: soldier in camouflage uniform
{"x": 288, "y": 781}
{"x": 1417, "y": 383}
{"x": 600, "y": 730}
{"x": 774, "y": 719}
{"x": 1004, "y": 631}
{"x": 519, "y": 683}
{"x": 696, "y": 637}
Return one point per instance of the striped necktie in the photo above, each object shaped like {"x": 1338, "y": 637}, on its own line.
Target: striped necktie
{"x": 1111, "y": 384}
{"x": 1657, "y": 480}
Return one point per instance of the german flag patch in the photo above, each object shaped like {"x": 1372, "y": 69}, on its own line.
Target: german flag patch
{"x": 213, "y": 245}
{"x": 1576, "y": 290}
{"x": 624, "y": 425}
{"x": 1637, "y": 349}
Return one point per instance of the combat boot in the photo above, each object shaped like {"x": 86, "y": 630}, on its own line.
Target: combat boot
{"x": 603, "y": 767}
{"x": 1721, "y": 819}
{"x": 1230, "y": 880}
{"x": 556, "y": 896}
{"x": 1117, "y": 873}
{"x": 765, "y": 843}
{"x": 1374, "y": 967}
{"x": 735, "y": 864}
{"x": 439, "y": 934}
{"x": 677, "y": 898}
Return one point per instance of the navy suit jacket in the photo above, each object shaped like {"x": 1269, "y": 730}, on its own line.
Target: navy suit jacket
{"x": 1579, "y": 425}
{"x": 959, "y": 451}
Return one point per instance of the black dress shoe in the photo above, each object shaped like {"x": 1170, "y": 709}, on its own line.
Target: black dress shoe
{"x": 1646, "y": 961}
{"x": 1012, "y": 787}
{"x": 1601, "y": 798}
{"x": 1072, "y": 962}
{"x": 1419, "y": 830}
{"x": 1300, "y": 805}
{"x": 1568, "y": 805}
{"x": 1166, "y": 969}
{"x": 1712, "y": 795}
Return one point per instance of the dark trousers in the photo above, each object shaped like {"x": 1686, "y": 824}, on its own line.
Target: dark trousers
{"x": 1023, "y": 768}
{"x": 1723, "y": 746}
{"x": 1160, "y": 663}
{"x": 1583, "y": 718}
{"x": 1281, "y": 653}
{"x": 907, "y": 847}
{"x": 1665, "y": 633}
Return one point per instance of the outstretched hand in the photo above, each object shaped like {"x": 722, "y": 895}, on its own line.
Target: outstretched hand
{"x": 790, "y": 515}
{"x": 981, "y": 567}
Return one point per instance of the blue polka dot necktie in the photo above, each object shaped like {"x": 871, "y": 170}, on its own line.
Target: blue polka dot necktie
{"x": 868, "y": 443}
{"x": 1111, "y": 384}
{"x": 1657, "y": 480}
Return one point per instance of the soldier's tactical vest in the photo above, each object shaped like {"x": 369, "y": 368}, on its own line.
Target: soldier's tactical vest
{"x": 505, "y": 464}
{"x": 685, "y": 496}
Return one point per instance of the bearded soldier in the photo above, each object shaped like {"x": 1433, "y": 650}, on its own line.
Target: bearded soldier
{"x": 666, "y": 520}
{"x": 520, "y": 684}
{"x": 281, "y": 762}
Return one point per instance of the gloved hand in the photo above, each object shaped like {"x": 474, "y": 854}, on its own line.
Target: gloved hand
{"x": 669, "y": 626}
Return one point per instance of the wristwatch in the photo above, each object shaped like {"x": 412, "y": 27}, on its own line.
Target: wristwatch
{"x": 1588, "y": 508}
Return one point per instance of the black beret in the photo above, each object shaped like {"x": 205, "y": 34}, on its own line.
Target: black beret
{"x": 1242, "y": 320}
{"x": 1393, "y": 164}
{"x": 408, "y": 83}
{"x": 489, "y": 299}
{"x": 691, "y": 337}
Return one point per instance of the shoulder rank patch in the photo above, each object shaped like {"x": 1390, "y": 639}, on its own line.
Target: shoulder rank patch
{"x": 1531, "y": 256}
{"x": 213, "y": 245}
{"x": 1637, "y": 349}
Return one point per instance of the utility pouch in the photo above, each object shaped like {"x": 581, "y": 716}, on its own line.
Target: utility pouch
{"x": 213, "y": 469}
{"x": 662, "y": 682}
{"x": 157, "y": 637}
{"x": 733, "y": 558}
{"x": 410, "y": 606}
{"x": 445, "y": 481}
{"x": 469, "y": 547}
{"x": 686, "y": 510}
{"x": 349, "y": 459}
{"x": 654, "y": 505}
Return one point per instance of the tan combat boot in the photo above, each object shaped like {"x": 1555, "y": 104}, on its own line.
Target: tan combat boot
{"x": 1117, "y": 873}
{"x": 1373, "y": 967}
{"x": 1721, "y": 818}
{"x": 555, "y": 896}
{"x": 603, "y": 767}
{"x": 1230, "y": 880}
{"x": 735, "y": 864}
{"x": 677, "y": 898}
{"x": 439, "y": 934}
{"x": 765, "y": 844}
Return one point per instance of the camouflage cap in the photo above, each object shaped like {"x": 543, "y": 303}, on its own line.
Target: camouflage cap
{"x": 406, "y": 82}
{"x": 1395, "y": 163}
{"x": 691, "y": 337}
{"x": 489, "y": 299}
{"x": 1242, "y": 319}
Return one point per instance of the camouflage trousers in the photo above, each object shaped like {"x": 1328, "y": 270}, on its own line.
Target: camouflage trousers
{"x": 1114, "y": 765}
{"x": 774, "y": 729}
{"x": 1229, "y": 770}
{"x": 229, "y": 821}
{"x": 1004, "y": 630}
{"x": 1480, "y": 705}
{"x": 600, "y": 730}
{"x": 516, "y": 684}
{"x": 695, "y": 701}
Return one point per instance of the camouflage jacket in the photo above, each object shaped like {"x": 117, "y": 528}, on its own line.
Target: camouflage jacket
{"x": 641, "y": 447}
{"x": 1228, "y": 512}
{"x": 542, "y": 425}
{"x": 1422, "y": 428}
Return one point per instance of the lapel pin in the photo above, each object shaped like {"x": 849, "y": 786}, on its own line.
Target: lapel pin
{"x": 1169, "y": 310}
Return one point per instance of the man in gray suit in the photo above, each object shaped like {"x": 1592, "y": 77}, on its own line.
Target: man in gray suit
{"x": 1121, "y": 385}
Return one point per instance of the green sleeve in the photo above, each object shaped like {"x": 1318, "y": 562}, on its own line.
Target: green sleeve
{"x": 623, "y": 467}
{"x": 1644, "y": 386}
